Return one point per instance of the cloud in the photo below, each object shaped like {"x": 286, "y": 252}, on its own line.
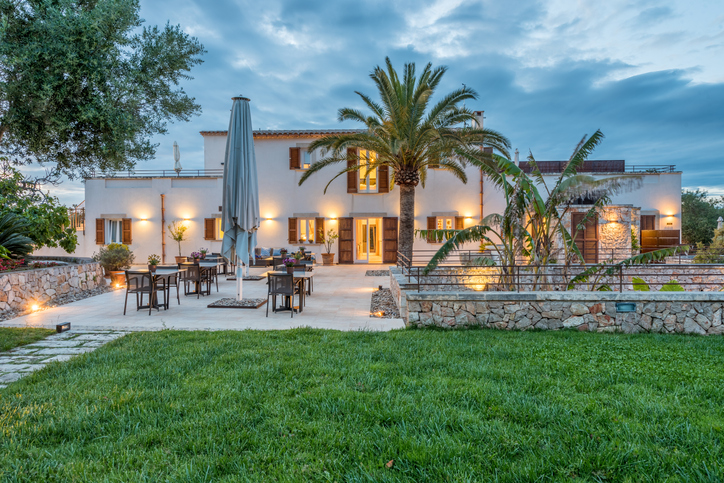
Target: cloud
{"x": 646, "y": 72}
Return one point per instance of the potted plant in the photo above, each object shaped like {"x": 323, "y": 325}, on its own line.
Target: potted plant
{"x": 328, "y": 240}
{"x": 203, "y": 252}
{"x": 153, "y": 261}
{"x": 289, "y": 263}
{"x": 114, "y": 259}
{"x": 196, "y": 256}
{"x": 177, "y": 229}
{"x": 283, "y": 252}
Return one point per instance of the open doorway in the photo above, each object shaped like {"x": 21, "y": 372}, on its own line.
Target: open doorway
{"x": 368, "y": 246}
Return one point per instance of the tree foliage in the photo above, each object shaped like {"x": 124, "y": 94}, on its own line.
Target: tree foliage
{"x": 84, "y": 85}
{"x": 531, "y": 230}
{"x": 45, "y": 220}
{"x": 699, "y": 213}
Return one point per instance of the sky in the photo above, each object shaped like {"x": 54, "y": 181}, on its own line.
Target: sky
{"x": 649, "y": 74}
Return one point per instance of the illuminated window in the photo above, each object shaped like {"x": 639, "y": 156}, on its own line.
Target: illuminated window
{"x": 219, "y": 231}
{"x": 306, "y": 159}
{"x": 445, "y": 223}
{"x": 367, "y": 176}
{"x": 306, "y": 230}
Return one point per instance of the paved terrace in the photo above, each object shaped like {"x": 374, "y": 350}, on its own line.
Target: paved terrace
{"x": 341, "y": 301}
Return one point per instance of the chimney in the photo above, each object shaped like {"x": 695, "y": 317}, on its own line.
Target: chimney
{"x": 479, "y": 118}
{"x": 517, "y": 157}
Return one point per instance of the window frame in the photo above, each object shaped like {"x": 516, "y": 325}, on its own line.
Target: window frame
{"x": 367, "y": 177}
{"x": 305, "y": 222}
{"x": 108, "y": 231}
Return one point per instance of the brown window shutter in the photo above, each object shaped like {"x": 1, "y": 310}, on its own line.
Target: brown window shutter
{"x": 293, "y": 233}
{"x": 319, "y": 229}
{"x": 295, "y": 158}
{"x": 100, "y": 231}
{"x": 351, "y": 175}
{"x": 209, "y": 228}
{"x": 488, "y": 150}
{"x": 459, "y": 222}
{"x": 431, "y": 225}
{"x": 346, "y": 240}
{"x": 126, "y": 237}
{"x": 383, "y": 179}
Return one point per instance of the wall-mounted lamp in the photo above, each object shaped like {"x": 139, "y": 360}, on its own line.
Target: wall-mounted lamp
{"x": 268, "y": 218}
{"x": 333, "y": 218}
{"x": 187, "y": 219}
{"x": 144, "y": 219}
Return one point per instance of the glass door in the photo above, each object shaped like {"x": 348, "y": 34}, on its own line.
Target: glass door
{"x": 368, "y": 245}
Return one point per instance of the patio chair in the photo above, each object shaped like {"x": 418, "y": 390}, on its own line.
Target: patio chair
{"x": 172, "y": 281}
{"x": 195, "y": 276}
{"x": 306, "y": 267}
{"x": 141, "y": 283}
{"x": 281, "y": 285}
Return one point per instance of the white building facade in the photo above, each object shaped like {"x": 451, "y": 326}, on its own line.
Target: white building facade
{"x": 136, "y": 208}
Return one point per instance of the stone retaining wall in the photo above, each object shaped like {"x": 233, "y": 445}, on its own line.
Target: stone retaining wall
{"x": 663, "y": 312}
{"x": 20, "y": 290}
{"x": 455, "y": 279}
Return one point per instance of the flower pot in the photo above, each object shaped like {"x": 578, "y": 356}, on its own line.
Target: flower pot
{"x": 328, "y": 258}
{"x": 118, "y": 278}
{"x": 152, "y": 268}
{"x": 290, "y": 270}
{"x": 180, "y": 259}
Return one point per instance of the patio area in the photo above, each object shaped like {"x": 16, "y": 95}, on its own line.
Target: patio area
{"x": 341, "y": 301}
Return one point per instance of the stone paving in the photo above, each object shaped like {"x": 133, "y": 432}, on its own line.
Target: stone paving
{"x": 26, "y": 359}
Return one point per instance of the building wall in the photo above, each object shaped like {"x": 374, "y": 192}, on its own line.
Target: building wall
{"x": 281, "y": 198}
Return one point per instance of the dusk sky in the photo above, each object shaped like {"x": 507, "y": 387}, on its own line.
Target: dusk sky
{"x": 649, "y": 74}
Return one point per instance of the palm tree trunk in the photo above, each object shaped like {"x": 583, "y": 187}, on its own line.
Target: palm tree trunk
{"x": 407, "y": 220}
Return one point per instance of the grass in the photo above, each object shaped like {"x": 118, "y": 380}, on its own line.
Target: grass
{"x": 12, "y": 337}
{"x": 310, "y": 405}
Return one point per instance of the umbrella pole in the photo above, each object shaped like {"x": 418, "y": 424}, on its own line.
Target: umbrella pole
{"x": 239, "y": 278}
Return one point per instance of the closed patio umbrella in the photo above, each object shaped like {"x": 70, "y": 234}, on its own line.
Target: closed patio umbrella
{"x": 176, "y": 158}
{"x": 240, "y": 207}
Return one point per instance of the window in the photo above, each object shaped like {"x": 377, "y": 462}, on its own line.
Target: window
{"x": 114, "y": 231}
{"x": 367, "y": 176}
{"x": 306, "y": 159}
{"x": 445, "y": 223}
{"x": 306, "y": 229}
{"x": 219, "y": 231}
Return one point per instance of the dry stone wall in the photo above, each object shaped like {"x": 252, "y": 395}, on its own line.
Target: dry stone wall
{"x": 20, "y": 290}
{"x": 688, "y": 313}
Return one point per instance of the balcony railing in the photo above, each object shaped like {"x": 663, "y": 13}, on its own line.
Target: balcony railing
{"x": 157, "y": 173}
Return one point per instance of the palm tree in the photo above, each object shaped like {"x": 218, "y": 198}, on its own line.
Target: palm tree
{"x": 408, "y": 135}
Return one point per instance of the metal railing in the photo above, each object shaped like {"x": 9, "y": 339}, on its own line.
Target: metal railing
{"x": 651, "y": 168}
{"x": 157, "y": 173}
{"x": 454, "y": 275}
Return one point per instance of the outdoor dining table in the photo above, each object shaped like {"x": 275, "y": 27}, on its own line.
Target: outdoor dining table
{"x": 301, "y": 278}
{"x": 160, "y": 274}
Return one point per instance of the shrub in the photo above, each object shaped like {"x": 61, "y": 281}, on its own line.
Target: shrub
{"x": 13, "y": 231}
{"x": 114, "y": 257}
{"x": 714, "y": 253}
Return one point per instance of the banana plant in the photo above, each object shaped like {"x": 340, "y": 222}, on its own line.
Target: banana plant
{"x": 531, "y": 231}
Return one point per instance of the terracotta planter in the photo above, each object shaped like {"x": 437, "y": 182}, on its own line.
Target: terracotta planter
{"x": 290, "y": 270}
{"x": 180, "y": 259}
{"x": 328, "y": 258}
{"x": 152, "y": 268}
{"x": 118, "y": 278}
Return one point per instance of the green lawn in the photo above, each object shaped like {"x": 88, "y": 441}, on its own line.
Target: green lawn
{"x": 11, "y": 337}
{"x": 309, "y": 405}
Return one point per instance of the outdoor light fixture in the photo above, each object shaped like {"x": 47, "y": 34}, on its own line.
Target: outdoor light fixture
{"x": 35, "y": 307}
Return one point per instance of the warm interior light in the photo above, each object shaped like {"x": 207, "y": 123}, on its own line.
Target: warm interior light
{"x": 118, "y": 285}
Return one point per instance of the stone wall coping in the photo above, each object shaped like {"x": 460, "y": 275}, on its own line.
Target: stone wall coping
{"x": 569, "y": 296}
